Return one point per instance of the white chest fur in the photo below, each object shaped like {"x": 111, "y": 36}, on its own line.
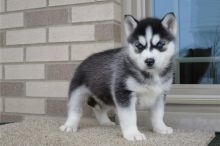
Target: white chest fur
{"x": 147, "y": 94}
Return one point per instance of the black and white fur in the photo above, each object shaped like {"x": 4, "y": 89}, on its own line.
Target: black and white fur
{"x": 135, "y": 76}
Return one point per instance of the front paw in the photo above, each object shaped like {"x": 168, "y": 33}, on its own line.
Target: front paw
{"x": 68, "y": 128}
{"x": 163, "y": 130}
{"x": 135, "y": 136}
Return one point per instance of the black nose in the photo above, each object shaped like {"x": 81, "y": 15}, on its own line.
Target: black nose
{"x": 149, "y": 62}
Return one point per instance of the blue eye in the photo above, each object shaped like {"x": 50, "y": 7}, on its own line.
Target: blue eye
{"x": 160, "y": 44}
{"x": 139, "y": 46}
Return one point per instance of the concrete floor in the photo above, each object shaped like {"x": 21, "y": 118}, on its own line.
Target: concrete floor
{"x": 185, "y": 120}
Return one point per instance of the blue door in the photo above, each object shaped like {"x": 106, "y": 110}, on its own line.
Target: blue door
{"x": 198, "y": 45}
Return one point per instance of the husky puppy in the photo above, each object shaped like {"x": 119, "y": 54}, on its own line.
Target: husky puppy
{"x": 138, "y": 75}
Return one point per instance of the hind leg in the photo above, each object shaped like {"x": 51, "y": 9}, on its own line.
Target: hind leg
{"x": 75, "y": 109}
{"x": 101, "y": 112}
{"x": 102, "y": 116}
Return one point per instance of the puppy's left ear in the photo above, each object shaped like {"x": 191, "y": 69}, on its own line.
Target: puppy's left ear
{"x": 170, "y": 23}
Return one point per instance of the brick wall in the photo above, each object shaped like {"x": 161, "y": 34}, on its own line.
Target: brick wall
{"x": 41, "y": 44}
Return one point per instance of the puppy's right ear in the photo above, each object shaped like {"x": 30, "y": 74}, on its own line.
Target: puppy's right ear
{"x": 130, "y": 24}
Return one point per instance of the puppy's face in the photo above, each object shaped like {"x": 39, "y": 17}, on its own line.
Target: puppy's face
{"x": 151, "y": 41}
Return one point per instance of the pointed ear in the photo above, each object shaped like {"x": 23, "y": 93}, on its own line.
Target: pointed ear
{"x": 130, "y": 24}
{"x": 170, "y": 23}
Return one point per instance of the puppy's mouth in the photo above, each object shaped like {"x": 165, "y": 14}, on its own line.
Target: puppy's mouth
{"x": 150, "y": 69}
